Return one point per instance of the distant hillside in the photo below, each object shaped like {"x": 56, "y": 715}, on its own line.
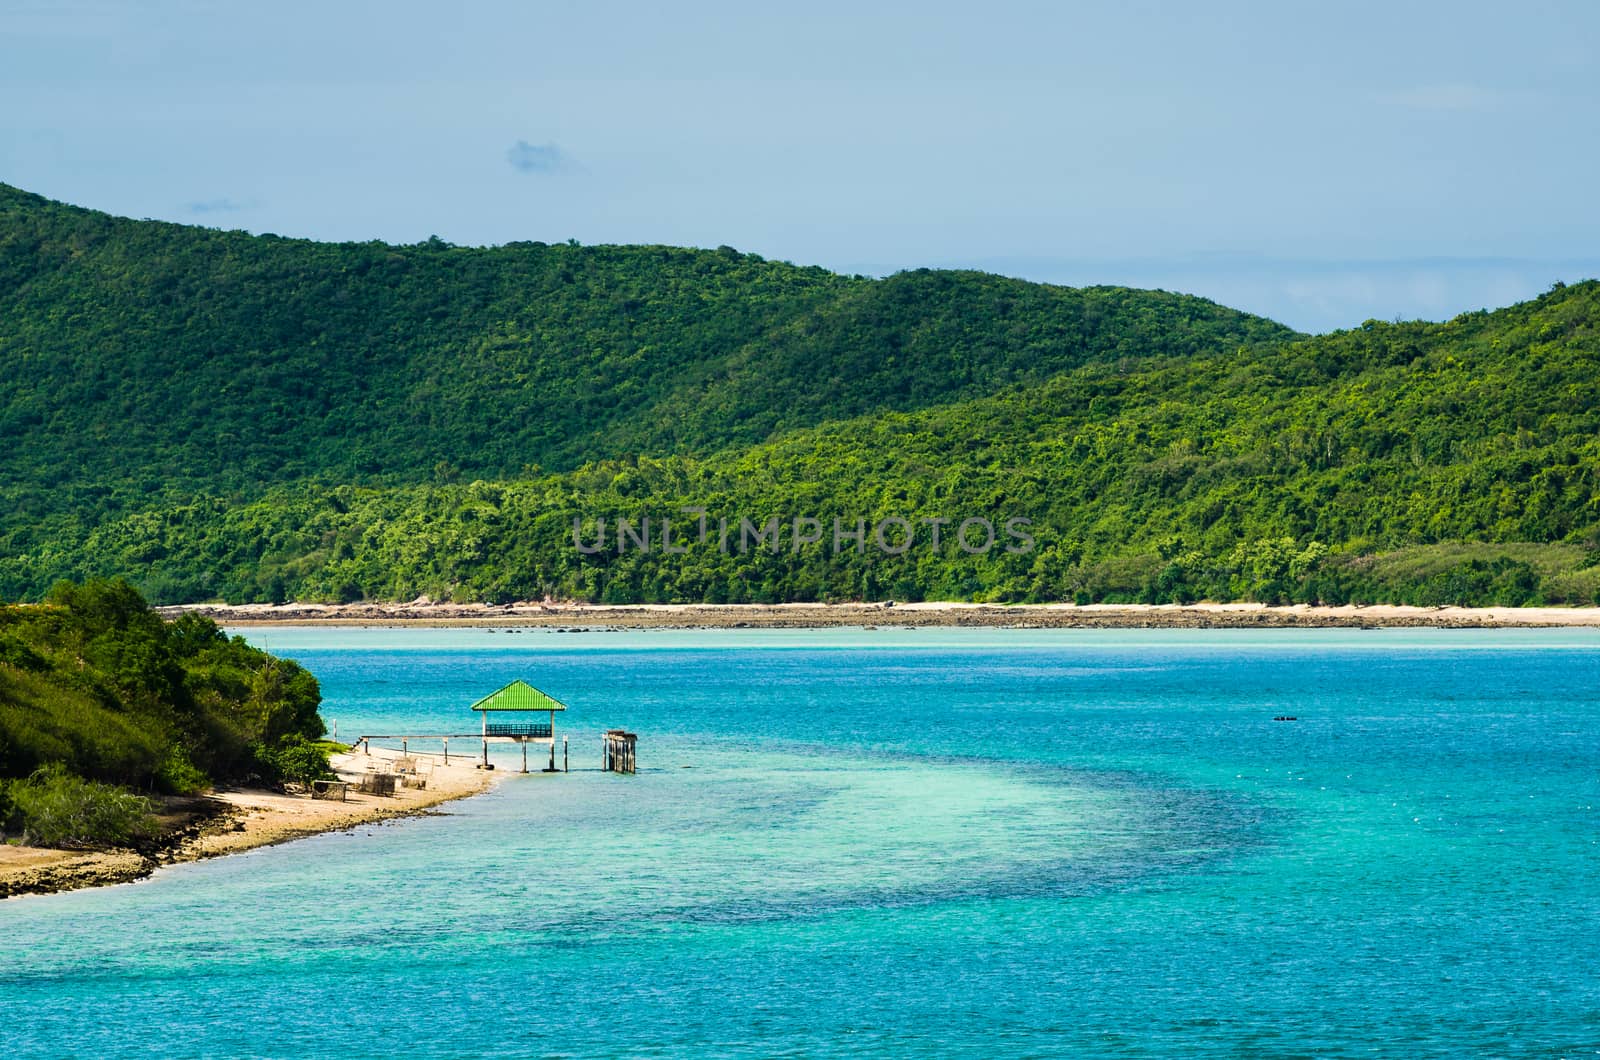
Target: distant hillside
{"x": 1413, "y": 463}
{"x": 143, "y": 361}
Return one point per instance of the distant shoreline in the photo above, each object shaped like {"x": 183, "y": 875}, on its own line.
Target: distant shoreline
{"x": 816, "y": 616}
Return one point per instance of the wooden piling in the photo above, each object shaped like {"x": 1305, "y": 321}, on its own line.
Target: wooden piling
{"x": 617, "y": 751}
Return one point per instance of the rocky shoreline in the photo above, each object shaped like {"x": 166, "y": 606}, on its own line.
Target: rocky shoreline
{"x": 888, "y": 614}
{"x": 228, "y": 822}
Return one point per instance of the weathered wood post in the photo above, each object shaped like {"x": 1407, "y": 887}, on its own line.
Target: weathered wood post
{"x": 617, "y": 751}
{"x": 524, "y": 755}
{"x": 564, "y": 768}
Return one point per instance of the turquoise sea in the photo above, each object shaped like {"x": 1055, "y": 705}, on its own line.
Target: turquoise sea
{"x": 899, "y": 843}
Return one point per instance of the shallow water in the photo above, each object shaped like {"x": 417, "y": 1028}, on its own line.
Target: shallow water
{"x": 926, "y": 842}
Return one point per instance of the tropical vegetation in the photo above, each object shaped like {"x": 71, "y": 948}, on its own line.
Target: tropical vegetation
{"x": 214, "y": 415}
{"x": 99, "y": 694}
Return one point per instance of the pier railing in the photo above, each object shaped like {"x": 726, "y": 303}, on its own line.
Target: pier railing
{"x": 526, "y": 730}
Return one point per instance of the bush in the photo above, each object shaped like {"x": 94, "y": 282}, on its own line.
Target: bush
{"x": 58, "y": 809}
{"x": 295, "y": 759}
{"x": 177, "y": 773}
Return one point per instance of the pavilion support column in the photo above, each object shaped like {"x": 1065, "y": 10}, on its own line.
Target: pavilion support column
{"x": 524, "y": 758}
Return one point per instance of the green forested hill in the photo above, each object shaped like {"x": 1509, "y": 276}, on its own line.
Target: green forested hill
{"x": 1422, "y": 463}
{"x": 220, "y": 415}
{"x": 142, "y": 360}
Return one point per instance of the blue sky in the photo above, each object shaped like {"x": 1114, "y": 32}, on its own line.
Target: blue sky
{"x": 1319, "y": 163}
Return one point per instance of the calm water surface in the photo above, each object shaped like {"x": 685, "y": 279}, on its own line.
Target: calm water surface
{"x": 928, "y": 842}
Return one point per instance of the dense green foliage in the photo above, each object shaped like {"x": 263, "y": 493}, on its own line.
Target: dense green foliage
{"x": 143, "y": 362}
{"x": 54, "y": 808}
{"x": 96, "y": 683}
{"x": 298, "y": 759}
{"x": 1415, "y": 463}
{"x": 214, "y": 415}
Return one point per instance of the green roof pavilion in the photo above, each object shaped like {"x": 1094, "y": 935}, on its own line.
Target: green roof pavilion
{"x": 519, "y": 697}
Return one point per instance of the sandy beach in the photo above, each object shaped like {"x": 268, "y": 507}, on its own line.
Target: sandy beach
{"x": 242, "y": 819}
{"x": 802, "y": 616}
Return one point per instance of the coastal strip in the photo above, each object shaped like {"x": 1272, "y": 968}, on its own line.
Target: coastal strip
{"x": 240, "y": 820}
{"x": 423, "y": 612}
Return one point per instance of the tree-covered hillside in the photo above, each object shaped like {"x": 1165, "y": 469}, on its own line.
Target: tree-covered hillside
{"x": 143, "y": 362}
{"x": 97, "y": 684}
{"x": 214, "y": 414}
{"x": 1425, "y": 463}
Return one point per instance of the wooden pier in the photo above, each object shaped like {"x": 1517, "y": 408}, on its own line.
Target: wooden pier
{"x": 617, "y": 751}
{"x": 520, "y": 698}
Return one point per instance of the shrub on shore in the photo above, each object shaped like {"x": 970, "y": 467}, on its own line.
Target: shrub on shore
{"x": 54, "y": 808}
{"x": 296, "y": 760}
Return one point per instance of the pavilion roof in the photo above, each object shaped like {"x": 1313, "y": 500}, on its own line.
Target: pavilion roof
{"x": 519, "y": 695}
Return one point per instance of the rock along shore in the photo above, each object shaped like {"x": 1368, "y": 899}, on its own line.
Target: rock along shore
{"x": 234, "y": 821}
{"x": 812, "y": 616}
